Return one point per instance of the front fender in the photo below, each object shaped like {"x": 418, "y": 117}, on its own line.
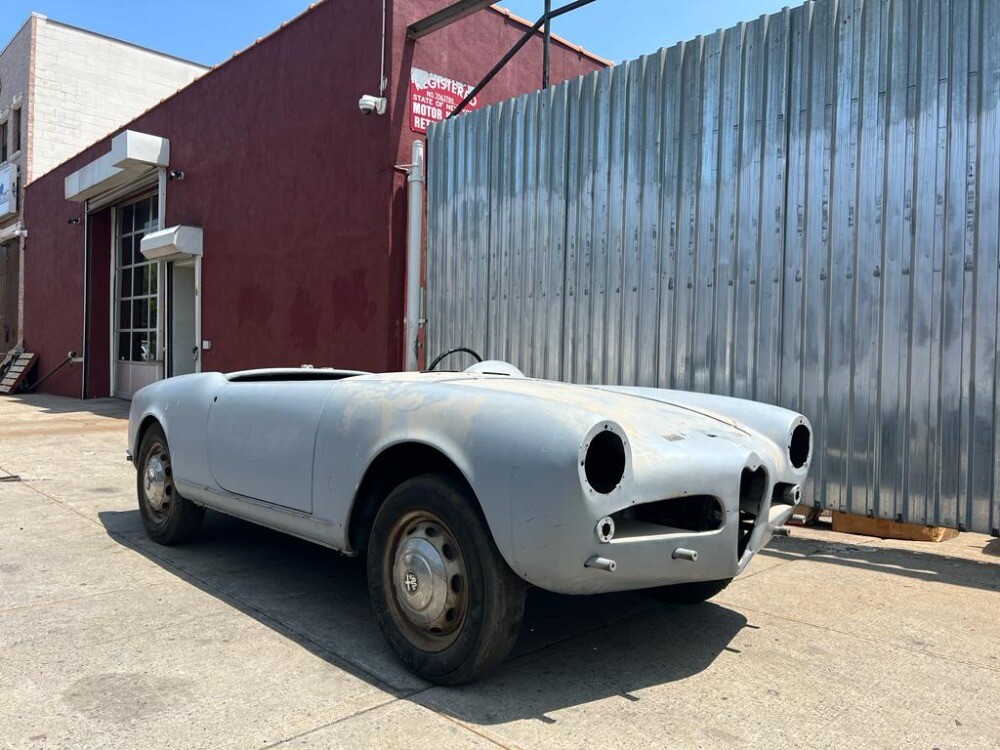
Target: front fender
{"x": 481, "y": 434}
{"x": 180, "y": 405}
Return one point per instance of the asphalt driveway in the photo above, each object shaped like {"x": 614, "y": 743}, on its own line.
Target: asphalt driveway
{"x": 250, "y": 639}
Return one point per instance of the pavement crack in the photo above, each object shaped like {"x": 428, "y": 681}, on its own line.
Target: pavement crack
{"x": 82, "y": 597}
{"x": 327, "y": 725}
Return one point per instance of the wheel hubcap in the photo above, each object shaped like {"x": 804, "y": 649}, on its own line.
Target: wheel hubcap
{"x": 422, "y": 580}
{"x": 428, "y": 579}
{"x": 156, "y": 483}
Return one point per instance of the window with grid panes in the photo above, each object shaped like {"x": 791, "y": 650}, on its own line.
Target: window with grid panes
{"x": 136, "y": 290}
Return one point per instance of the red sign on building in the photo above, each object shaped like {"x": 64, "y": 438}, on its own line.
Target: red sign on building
{"x": 433, "y": 97}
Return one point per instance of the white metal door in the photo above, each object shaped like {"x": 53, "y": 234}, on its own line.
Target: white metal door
{"x": 182, "y": 351}
{"x": 138, "y": 294}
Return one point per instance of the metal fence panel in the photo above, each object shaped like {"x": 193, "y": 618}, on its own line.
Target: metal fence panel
{"x": 803, "y": 209}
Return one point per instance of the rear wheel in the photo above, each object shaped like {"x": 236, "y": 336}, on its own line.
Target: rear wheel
{"x": 168, "y": 517}
{"x": 689, "y": 593}
{"x": 444, "y": 597}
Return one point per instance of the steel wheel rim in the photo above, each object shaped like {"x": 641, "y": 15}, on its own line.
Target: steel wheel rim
{"x": 427, "y": 581}
{"x": 157, "y": 481}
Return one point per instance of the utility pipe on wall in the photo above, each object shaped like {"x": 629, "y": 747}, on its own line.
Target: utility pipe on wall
{"x": 85, "y": 375}
{"x": 414, "y": 253}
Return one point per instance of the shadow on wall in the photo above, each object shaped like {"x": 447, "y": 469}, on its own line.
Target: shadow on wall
{"x": 572, "y": 650}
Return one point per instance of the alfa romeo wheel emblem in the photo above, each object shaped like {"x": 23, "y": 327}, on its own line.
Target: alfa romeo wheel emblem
{"x": 410, "y": 582}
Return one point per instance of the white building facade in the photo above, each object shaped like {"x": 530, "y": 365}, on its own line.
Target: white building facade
{"x": 61, "y": 89}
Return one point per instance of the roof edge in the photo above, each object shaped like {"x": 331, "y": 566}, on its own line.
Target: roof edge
{"x": 555, "y": 37}
{"x": 208, "y": 71}
{"x": 19, "y": 30}
{"x": 125, "y": 42}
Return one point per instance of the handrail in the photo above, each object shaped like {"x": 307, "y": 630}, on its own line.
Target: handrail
{"x": 70, "y": 356}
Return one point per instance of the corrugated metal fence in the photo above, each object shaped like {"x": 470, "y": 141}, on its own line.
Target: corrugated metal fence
{"x": 802, "y": 210}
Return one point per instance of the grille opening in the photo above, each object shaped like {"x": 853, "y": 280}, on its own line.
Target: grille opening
{"x": 604, "y": 465}
{"x": 798, "y": 448}
{"x": 753, "y": 485}
{"x": 696, "y": 513}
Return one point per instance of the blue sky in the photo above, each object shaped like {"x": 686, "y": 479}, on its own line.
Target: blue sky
{"x": 209, "y": 31}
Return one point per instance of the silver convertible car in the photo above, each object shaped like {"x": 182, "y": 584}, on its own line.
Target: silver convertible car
{"x": 464, "y": 488}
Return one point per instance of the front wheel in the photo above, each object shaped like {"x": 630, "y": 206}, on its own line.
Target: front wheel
{"x": 444, "y": 597}
{"x": 689, "y": 593}
{"x": 168, "y": 517}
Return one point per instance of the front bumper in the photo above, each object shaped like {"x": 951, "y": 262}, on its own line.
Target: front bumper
{"x": 651, "y": 561}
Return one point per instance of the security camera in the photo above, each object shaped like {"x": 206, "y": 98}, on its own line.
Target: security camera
{"x": 372, "y": 105}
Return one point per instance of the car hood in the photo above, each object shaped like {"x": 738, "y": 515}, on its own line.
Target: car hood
{"x": 653, "y": 411}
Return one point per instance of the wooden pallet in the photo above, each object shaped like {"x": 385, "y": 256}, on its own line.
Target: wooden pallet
{"x": 18, "y": 371}
{"x": 852, "y": 523}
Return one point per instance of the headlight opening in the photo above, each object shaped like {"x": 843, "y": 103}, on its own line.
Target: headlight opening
{"x": 604, "y": 462}
{"x": 799, "y": 446}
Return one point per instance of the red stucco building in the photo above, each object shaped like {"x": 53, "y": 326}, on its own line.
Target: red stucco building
{"x": 287, "y": 201}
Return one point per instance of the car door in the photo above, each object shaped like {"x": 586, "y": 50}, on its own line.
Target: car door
{"x": 261, "y": 437}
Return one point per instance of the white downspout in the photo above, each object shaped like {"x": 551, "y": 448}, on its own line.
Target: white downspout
{"x": 162, "y": 352}
{"x": 383, "y": 84}
{"x": 197, "y": 314}
{"x": 414, "y": 252}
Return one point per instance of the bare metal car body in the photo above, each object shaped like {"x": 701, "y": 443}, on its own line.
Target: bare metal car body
{"x": 294, "y": 449}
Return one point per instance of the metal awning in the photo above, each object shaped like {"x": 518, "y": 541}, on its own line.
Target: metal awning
{"x": 172, "y": 244}
{"x": 133, "y": 158}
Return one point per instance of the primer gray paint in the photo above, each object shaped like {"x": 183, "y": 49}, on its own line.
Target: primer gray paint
{"x": 802, "y": 209}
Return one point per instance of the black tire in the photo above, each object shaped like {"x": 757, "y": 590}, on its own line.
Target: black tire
{"x": 168, "y": 517}
{"x": 476, "y": 618}
{"x": 689, "y": 593}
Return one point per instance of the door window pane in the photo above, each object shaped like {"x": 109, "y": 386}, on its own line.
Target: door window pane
{"x": 137, "y": 347}
{"x": 140, "y": 313}
{"x": 125, "y": 314}
{"x": 149, "y": 276}
{"x": 138, "y": 287}
{"x": 142, "y": 216}
{"x": 125, "y": 220}
{"x": 143, "y": 346}
{"x": 125, "y": 282}
{"x": 125, "y": 251}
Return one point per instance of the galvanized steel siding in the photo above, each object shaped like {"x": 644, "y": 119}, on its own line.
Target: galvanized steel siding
{"x": 802, "y": 210}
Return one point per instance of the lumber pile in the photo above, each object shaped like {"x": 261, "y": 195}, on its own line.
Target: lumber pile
{"x": 885, "y": 528}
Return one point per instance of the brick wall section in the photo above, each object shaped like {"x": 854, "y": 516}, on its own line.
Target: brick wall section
{"x": 303, "y": 210}
{"x": 75, "y": 87}
{"x": 14, "y": 76}
{"x": 15, "y": 61}
{"x": 102, "y": 82}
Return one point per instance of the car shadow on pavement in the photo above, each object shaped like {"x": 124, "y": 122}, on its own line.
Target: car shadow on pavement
{"x": 572, "y": 650}
{"x": 924, "y": 566}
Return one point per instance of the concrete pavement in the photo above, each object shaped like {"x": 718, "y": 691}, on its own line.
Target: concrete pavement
{"x": 250, "y": 639}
